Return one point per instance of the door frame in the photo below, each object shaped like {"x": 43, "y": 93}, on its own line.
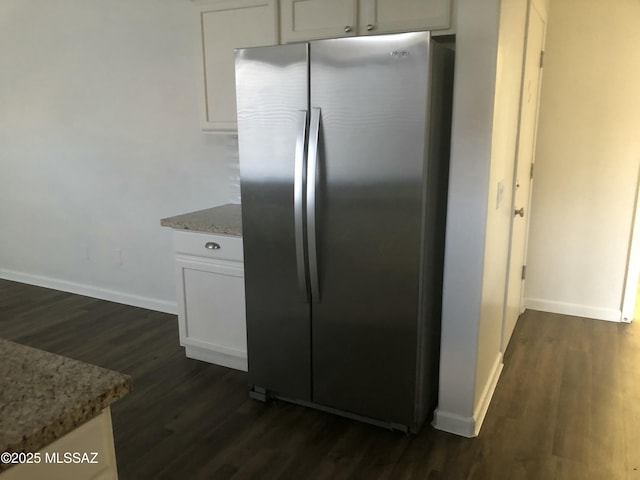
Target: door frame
{"x": 630, "y": 290}
{"x": 531, "y": 4}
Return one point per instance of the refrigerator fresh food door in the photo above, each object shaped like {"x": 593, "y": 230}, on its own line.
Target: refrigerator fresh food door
{"x": 372, "y": 99}
{"x": 272, "y": 99}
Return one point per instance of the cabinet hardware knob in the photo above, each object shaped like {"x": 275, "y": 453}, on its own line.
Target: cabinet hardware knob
{"x": 370, "y": 27}
{"x": 212, "y": 246}
{"x": 519, "y": 212}
{"x": 347, "y": 29}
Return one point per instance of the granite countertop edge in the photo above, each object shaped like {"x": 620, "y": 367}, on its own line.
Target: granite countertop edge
{"x": 223, "y": 219}
{"x": 45, "y": 396}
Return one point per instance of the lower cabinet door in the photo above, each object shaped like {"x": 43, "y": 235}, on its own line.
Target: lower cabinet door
{"x": 211, "y": 311}
{"x": 86, "y": 453}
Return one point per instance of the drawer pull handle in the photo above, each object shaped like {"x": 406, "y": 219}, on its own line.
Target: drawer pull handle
{"x": 212, "y": 246}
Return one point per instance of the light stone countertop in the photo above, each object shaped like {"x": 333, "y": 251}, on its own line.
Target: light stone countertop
{"x": 44, "y": 396}
{"x": 225, "y": 219}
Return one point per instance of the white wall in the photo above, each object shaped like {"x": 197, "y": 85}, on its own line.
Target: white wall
{"x": 490, "y": 44}
{"x": 99, "y": 139}
{"x": 587, "y": 159}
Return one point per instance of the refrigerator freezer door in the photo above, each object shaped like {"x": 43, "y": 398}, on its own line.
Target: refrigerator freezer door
{"x": 272, "y": 91}
{"x": 369, "y": 206}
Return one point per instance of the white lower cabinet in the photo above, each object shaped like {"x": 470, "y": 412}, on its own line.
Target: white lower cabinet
{"x": 86, "y": 453}
{"x": 211, "y": 309}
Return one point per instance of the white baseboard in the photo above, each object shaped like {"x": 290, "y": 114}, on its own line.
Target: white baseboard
{"x": 576, "y": 310}
{"x": 91, "y": 291}
{"x": 470, "y": 426}
{"x": 487, "y": 392}
{"x": 237, "y": 362}
{"x": 453, "y": 423}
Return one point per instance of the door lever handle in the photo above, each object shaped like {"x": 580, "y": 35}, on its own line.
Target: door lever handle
{"x": 519, "y": 212}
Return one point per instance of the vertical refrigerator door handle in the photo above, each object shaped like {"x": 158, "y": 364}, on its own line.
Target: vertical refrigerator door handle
{"x": 312, "y": 180}
{"x": 298, "y": 203}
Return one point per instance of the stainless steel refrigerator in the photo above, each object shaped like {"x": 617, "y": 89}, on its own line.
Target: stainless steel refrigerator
{"x": 343, "y": 149}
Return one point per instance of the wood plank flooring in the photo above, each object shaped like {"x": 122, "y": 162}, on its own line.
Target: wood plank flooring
{"x": 567, "y": 405}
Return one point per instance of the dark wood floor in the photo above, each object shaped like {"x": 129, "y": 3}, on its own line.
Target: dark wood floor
{"x": 567, "y": 405}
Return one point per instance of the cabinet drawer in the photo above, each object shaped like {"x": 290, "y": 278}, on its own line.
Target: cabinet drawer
{"x": 208, "y": 245}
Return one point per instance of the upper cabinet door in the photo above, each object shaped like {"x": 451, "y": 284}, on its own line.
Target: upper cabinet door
{"x": 310, "y": 19}
{"x": 389, "y": 16}
{"x": 225, "y": 26}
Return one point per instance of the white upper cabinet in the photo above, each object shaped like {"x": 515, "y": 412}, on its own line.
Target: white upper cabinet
{"x": 311, "y": 19}
{"x": 225, "y": 26}
{"x": 390, "y": 16}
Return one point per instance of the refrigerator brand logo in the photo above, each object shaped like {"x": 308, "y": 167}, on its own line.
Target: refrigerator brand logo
{"x": 400, "y": 54}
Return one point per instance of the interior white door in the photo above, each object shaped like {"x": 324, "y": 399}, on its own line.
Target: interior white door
{"x": 523, "y": 177}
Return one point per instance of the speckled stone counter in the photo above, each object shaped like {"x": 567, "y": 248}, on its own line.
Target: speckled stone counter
{"x": 225, "y": 219}
{"x": 44, "y": 396}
